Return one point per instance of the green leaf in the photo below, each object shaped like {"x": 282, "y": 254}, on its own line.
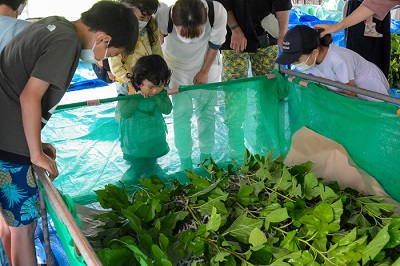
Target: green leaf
{"x": 158, "y": 253}
{"x": 215, "y": 220}
{"x": 113, "y": 197}
{"x": 257, "y": 237}
{"x": 246, "y": 196}
{"x": 285, "y": 182}
{"x": 278, "y": 215}
{"x": 289, "y": 242}
{"x": 296, "y": 189}
{"x": 311, "y": 186}
{"x": 241, "y": 228}
{"x": 376, "y": 245}
{"x": 197, "y": 246}
{"x": 324, "y": 212}
{"x": 220, "y": 257}
{"x": 394, "y": 232}
{"x": 327, "y": 194}
{"x": 164, "y": 242}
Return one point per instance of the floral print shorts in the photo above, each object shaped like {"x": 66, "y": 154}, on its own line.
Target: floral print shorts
{"x": 19, "y": 197}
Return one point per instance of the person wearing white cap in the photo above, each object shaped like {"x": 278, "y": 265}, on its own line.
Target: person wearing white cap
{"x": 303, "y": 47}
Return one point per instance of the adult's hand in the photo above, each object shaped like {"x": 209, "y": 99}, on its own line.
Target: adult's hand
{"x": 201, "y": 77}
{"x": 238, "y": 40}
{"x": 49, "y": 150}
{"x": 44, "y": 161}
{"x": 327, "y": 28}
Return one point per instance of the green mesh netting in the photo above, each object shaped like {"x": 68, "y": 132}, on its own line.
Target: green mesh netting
{"x": 258, "y": 113}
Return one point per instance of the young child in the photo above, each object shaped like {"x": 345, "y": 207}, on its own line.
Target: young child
{"x": 142, "y": 127}
{"x": 303, "y": 47}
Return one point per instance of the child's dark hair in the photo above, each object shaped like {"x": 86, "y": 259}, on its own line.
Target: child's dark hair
{"x": 148, "y": 8}
{"x": 151, "y": 67}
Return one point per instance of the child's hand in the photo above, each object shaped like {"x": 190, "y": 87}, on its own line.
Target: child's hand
{"x": 144, "y": 95}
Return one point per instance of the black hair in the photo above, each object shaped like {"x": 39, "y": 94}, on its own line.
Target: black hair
{"x": 191, "y": 15}
{"x": 14, "y": 4}
{"x": 151, "y": 67}
{"x": 116, "y": 20}
{"x": 148, "y": 8}
{"x": 326, "y": 40}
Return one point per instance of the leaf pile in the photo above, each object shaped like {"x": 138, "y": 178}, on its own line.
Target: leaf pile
{"x": 263, "y": 213}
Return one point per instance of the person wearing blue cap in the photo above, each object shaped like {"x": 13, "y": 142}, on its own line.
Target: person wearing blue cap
{"x": 308, "y": 52}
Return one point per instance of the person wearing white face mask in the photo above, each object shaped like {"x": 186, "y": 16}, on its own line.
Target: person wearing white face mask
{"x": 36, "y": 68}
{"x": 303, "y": 47}
{"x": 194, "y": 31}
{"x": 148, "y": 43}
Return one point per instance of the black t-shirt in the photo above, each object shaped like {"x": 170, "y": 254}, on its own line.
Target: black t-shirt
{"x": 249, "y": 14}
{"x": 48, "y": 50}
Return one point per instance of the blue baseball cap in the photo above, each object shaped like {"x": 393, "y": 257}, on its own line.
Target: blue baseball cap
{"x": 298, "y": 40}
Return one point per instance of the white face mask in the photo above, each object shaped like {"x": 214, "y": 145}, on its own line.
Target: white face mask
{"x": 87, "y": 55}
{"x": 303, "y": 67}
{"x": 142, "y": 24}
{"x": 191, "y": 40}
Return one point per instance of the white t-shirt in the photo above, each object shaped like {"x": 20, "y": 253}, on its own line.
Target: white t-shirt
{"x": 185, "y": 59}
{"x": 343, "y": 65}
{"x": 9, "y": 28}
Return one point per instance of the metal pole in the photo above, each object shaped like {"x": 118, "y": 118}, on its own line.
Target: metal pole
{"x": 46, "y": 236}
{"x": 379, "y": 96}
{"x": 62, "y": 213}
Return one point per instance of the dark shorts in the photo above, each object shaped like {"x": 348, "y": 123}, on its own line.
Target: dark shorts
{"x": 18, "y": 194}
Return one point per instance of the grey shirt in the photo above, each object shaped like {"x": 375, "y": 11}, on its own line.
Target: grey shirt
{"x": 48, "y": 50}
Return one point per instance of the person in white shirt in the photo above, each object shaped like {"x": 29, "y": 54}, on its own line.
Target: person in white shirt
{"x": 191, "y": 51}
{"x": 9, "y": 24}
{"x": 303, "y": 47}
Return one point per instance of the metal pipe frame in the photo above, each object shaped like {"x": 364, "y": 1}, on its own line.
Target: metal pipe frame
{"x": 65, "y": 216}
{"x": 378, "y": 96}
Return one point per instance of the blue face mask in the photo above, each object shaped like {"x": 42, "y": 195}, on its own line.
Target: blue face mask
{"x": 87, "y": 55}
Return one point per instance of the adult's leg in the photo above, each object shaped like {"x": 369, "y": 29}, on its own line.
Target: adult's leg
{"x": 22, "y": 242}
{"x": 5, "y": 236}
{"x": 235, "y": 65}
{"x": 262, "y": 63}
{"x": 182, "y": 114}
{"x": 205, "y": 103}
{"x": 19, "y": 199}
